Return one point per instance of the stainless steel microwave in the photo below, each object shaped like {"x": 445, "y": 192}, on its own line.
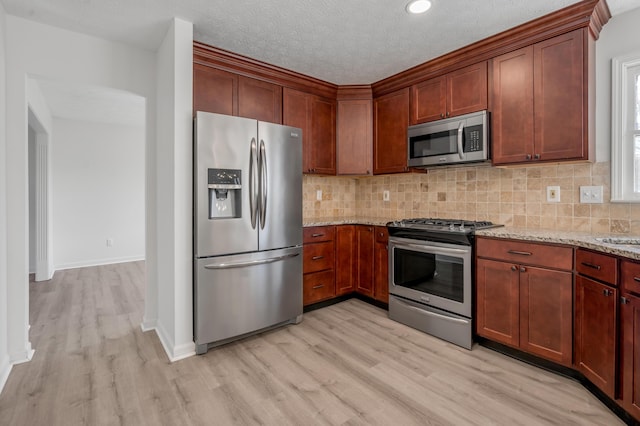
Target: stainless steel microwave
{"x": 462, "y": 139}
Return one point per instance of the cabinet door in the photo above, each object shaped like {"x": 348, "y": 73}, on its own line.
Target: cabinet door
{"x": 214, "y": 90}
{"x": 467, "y": 90}
{"x": 346, "y": 259}
{"x": 498, "y": 296}
{"x": 546, "y": 313}
{"x": 323, "y": 135}
{"x": 259, "y": 100}
{"x": 391, "y": 119}
{"x": 365, "y": 241}
{"x": 429, "y": 100}
{"x": 295, "y": 112}
{"x": 512, "y": 107}
{"x": 355, "y": 137}
{"x": 595, "y": 333}
{"x": 630, "y": 362}
{"x": 560, "y": 100}
{"x": 381, "y": 265}
{"x": 317, "y": 287}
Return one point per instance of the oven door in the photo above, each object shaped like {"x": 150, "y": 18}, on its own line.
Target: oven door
{"x": 431, "y": 273}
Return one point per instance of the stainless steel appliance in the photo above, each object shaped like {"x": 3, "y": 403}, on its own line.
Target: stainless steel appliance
{"x": 462, "y": 139}
{"x": 430, "y": 276}
{"x": 247, "y": 227}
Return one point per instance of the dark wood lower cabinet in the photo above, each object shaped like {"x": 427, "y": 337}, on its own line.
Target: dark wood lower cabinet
{"x": 346, "y": 259}
{"x": 546, "y": 314}
{"x": 381, "y": 265}
{"x": 498, "y": 293}
{"x": 365, "y": 242}
{"x": 630, "y": 360}
{"x": 595, "y": 333}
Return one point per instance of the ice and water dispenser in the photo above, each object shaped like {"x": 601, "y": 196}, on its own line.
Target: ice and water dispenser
{"x": 225, "y": 193}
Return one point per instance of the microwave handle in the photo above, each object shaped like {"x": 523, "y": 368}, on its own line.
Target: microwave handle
{"x": 460, "y": 134}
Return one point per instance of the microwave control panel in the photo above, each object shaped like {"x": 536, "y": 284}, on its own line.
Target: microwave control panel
{"x": 473, "y": 139}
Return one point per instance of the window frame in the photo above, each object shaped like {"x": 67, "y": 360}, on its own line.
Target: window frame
{"x": 622, "y": 162}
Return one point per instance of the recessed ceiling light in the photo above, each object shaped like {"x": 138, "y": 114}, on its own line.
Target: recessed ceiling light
{"x": 418, "y": 6}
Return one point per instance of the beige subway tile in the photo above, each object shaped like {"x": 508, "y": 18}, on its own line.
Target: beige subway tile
{"x": 565, "y": 223}
{"x": 634, "y": 212}
{"x": 581, "y": 224}
{"x": 533, "y": 222}
{"x": 600, "y": 225}
{"x": 519, "y": 196}
{"x": 620, "y": 226}
{"x": 582, "y": 210}
{"x": 533, "y": 209}
{"x": 548, "y": 172}
{"x": 620, "y": 211}
{"x": 634, "y": 227}
{"x": 520, "y": 208}
{"x": 520, "y": 221}
{"x": 534, "y": 173}
{"x": 547, "y": 222}
{"x": 565, "y": 170}
{"x": 534, "y": 184}
{"x": 493, "y": 196}
{"x": 549, "y": 210}
{"x": 601, "y": 169}
{"x": 582, "y": 170}
{"x": 600, "y": 211}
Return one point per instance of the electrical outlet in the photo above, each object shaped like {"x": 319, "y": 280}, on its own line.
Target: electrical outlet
{"x": 109, "y": 242}
{"x": 319, "y": 195}
{"x": 591, "y": 194}
{"x": 385, "y": 195}
{"x": 553, "y": 194}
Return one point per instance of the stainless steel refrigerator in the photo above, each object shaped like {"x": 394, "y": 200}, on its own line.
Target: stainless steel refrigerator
{"x": 247, "y": 227}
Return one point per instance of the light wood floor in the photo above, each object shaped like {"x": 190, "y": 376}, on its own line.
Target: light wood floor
{"x": 345, "y": 364}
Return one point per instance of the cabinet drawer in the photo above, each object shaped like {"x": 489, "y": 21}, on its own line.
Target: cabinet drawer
{"x": 318, "y": 286}
{"x": 597, "y": 265}
{"x": 317, "y": 234}
{"x": 526, "y": 253}
{"x": 318, "y": 257}
{"x": 382, "y": 234}
{"x": 631, "y": 276}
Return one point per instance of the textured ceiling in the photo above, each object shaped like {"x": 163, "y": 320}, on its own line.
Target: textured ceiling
{"x": 340, "y": 41}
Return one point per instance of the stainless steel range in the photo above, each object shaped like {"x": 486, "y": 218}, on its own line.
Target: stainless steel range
{"x": 430, "y": 276}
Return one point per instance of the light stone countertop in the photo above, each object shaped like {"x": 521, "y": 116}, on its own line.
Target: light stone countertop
{"x": 577, "y": 239}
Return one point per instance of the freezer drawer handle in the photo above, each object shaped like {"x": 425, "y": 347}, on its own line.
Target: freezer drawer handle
{"x": 250, "y": 263}
{"x": 432, "y": 314}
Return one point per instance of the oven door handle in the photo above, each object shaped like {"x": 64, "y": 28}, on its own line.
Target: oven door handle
{"x": 432, "y": 249}
{"x": 432, "y": 314}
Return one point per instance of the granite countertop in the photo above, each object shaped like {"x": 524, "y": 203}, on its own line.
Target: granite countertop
{"x": 577, "y": 239}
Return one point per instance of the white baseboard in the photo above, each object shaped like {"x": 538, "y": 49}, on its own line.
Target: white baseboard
{"x": 22, "y": 356}
{"x": 98, "y": 262}
{"x": 174, "y": 353}
{"x": 148, "y": 325}
{"x": 5, "y": 369}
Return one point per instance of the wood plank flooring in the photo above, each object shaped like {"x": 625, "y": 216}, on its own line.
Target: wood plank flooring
{"x": 346, "y": 364}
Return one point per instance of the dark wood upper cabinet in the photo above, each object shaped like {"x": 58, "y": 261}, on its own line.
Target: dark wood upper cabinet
{"x": 214, "y": 90}
{"x": 316, "y": 116}
{"x": 354, "y": 154}
{"x": 458, "y": 92}
{"x": 391, "y": 119}
{"x": 223, "y": 92}
{"x": 540, "y": 109}
{"x": 259, "y": 100}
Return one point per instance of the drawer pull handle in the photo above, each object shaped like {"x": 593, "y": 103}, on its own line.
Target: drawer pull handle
{"x": 317, "y": 235}
{"x": 317, "y": 257}
{"x": 591, "y": 265}
{"x": 521, "y": 253}
{"x": 637, "y": 279}
{"x": 315, "y": 287}
{"x": 513, "y": 268}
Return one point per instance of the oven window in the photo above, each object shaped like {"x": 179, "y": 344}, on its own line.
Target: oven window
{"x": 428, "y": 273}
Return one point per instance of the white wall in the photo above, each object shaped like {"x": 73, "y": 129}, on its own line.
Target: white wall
{"x": 5, "y": 366}
{"x": 32, "y": 200}
{"x": 98, "y": 193}
{"x": 42, "y": 51}
{"x": 174, "y": 196}
{"x": 620, "y": 36}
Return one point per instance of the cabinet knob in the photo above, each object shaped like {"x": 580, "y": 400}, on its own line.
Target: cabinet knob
{"x": 523, "y": 269}
{"x": 528, "y": 157}
{"x": 513, "y": 268}
{"x": 537, "y": 156}
{"x": 607, "y": 292}
{"x": 447, "y": 113}
{"x": 441, "y": 115}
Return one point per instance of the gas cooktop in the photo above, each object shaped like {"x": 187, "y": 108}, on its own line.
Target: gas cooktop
{"x": 443, "y": 230}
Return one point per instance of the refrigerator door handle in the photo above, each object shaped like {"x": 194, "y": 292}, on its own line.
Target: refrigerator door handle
{"x": 253, "y": 182}
{"x": 250, "y": 263}
{"x": 263, "y": 184}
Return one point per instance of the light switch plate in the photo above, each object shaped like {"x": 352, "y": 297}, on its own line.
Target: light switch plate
{"x": 553, "y": 194}
{"x": 591, "y": 194}
{"x": 319, "y": 195}
{"x": 385, "y": 195}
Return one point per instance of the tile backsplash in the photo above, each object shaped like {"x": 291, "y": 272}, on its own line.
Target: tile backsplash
{"x": 511, "y": 196}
